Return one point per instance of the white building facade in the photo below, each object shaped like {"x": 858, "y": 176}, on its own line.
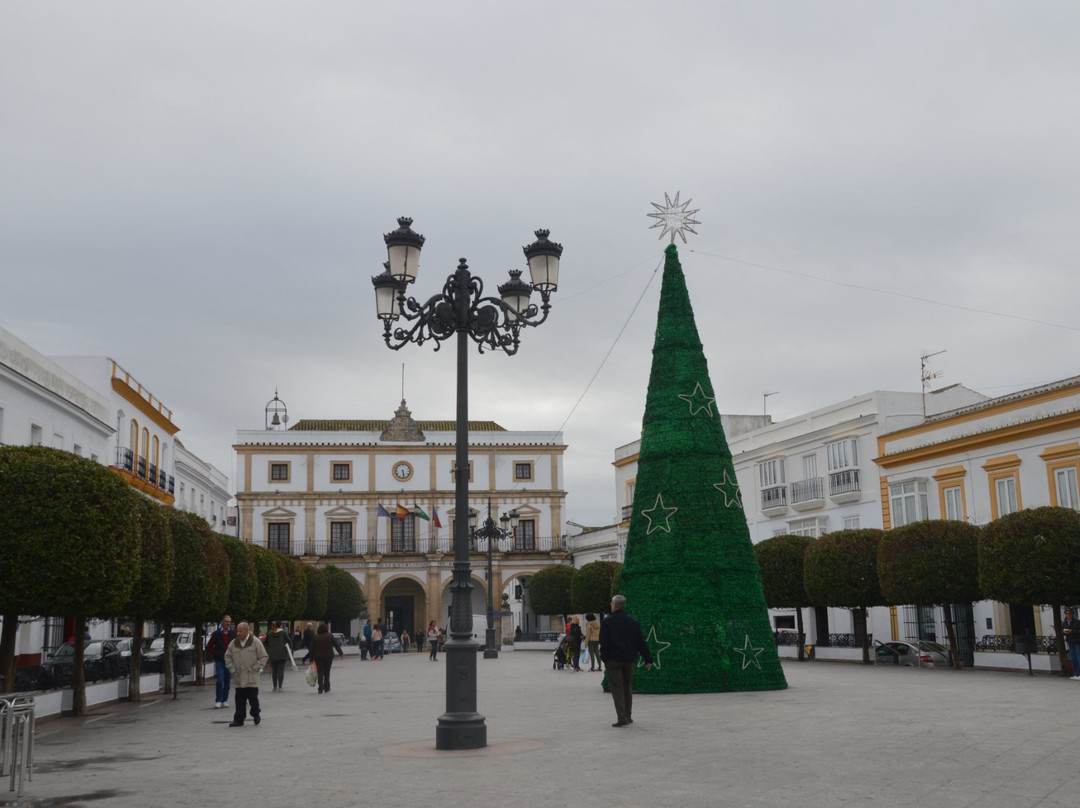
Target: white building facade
{"x": 315, "y": 490}
{"x": 977, "y": 463}
{"x": 92, "y": 407}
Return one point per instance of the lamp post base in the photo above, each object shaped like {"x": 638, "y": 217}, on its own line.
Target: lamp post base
{"x": 461, "y": 731}
{"x": 490, "y": 651}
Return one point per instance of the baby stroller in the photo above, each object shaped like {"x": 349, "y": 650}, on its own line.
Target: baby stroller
{"x": 564, "y": 655}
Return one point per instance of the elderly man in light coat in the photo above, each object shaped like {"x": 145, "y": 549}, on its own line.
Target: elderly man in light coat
{"x": 245, "y": 658}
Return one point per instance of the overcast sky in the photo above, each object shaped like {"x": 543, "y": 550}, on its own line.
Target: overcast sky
{"x": 199, "y": 190}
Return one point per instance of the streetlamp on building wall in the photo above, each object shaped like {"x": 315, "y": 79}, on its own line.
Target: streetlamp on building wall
{"x": 507, "y": 527}
{"x": 494, "y": 323}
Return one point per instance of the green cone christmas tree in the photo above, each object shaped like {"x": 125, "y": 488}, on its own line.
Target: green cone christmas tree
{"x": 690, "y": 575}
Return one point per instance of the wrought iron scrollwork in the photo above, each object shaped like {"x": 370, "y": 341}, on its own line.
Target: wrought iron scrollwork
{"x": 489, "y": 321}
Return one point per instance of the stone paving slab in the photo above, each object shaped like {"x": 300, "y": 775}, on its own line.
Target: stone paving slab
{"x": 840, "y": 735}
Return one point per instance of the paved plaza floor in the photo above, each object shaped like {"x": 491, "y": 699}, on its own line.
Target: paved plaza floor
{"x": 839, "y": 735}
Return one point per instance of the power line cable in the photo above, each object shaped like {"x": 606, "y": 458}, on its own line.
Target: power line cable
{"x": 887, "y": 292}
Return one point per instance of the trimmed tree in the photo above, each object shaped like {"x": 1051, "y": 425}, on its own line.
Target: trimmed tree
{"x": 152, "y": 588}
{"x": 344, "y": 599}
{"x": 298, "y": 588}
{"x": 840, "y": 569}
{"x": 590, "y": 588}
{"x": 70, "y": 541}
{"x": 266, "y": 569}
{"x": 549, "y": 590}
{"x": 243, "y": 579}
{"x": 316, "y": 592}
{"x": 1032, "y": 557}
{"x": 200, "y": 588}
{"x": 931, "y": 562}
{"x": 781, "y": 561}
{"x": 281, "y": 605}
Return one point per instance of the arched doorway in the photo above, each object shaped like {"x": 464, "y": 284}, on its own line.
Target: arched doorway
{"x": 403, "y": 605}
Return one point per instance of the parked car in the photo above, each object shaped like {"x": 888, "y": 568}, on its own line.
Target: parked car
{"x": 154, "y": 650}
{"x": 343, "y": 639}
{"x": 101, "y": 660}
{"x": 917, "y": 654}
{"x": 391, "y": 643}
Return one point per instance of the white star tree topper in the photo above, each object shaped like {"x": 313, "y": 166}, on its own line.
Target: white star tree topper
{"x": 674, "y": 218}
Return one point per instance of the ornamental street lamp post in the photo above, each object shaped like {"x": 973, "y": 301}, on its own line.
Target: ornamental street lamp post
{"x": 507, "y": 526}
{"x": 494, "y": 323}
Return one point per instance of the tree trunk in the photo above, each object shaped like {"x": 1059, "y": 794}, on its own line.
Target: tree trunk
{"x": 167, "y": 660}
{"x": 950, "y": 631}
{"x": 7, "y": 652}
{"x": 78, "y": 672}
{"x": 135, "y": 662}
{"x": 197, "y": 657}
{"x": 1063, "y": 652}
{"x": 799, "y": 630}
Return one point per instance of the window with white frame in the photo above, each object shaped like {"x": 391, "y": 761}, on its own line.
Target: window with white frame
{"x": 954, "y": 502}
{"x": 851, "y": 523}
{"x": 807, "y": 527}
{"x": 1005, "y": 488}
{"x": 809, "y": 466}
{"x": 907, "y": 502}
{"x": 1065, "y": 483}
{"x": 36, "y": 435}
{"x": 842, "y": 454}
{"x": 771, "y": 472}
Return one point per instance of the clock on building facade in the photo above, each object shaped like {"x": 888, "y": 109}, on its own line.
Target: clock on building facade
{"x": 402, "y": 471}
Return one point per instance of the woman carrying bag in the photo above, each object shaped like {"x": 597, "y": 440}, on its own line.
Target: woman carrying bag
{"x": 279, "y": 652}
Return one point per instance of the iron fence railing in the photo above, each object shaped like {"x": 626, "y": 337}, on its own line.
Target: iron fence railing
{"x": 434, "y": 545}
{"x": 807, "y": 490}
{"x": 1007, "y": 642}
{"x": 774, "y": 497}
{"x": 844, "y": 482}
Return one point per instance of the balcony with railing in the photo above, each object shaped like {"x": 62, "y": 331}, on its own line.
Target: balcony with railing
{"x": 627, "y": 511}
{"x": 774, "y": 500}
{"x": 844, "y": 485}
{"x": 125, "y": 459}
{"x": 808, "y": 494}
{"x": 421, "y": 545}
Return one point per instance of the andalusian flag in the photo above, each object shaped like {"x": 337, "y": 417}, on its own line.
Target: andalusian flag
{"x": 418, "y": 511}
{"x": 435, "y": 516}
{"x": 401, "y": 512}
{"x": 383, "y": 512}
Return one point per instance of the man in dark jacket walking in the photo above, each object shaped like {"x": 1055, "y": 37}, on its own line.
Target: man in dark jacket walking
{"x": 217, "y": 645}
{"x": 1070, "y": 627}
{"x": 621, "y": 641}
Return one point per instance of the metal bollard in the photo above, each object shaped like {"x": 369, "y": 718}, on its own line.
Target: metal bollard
{"x": 21, "y": 743}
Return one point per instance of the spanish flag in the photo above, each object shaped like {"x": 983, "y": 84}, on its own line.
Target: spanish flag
{"x": 401, "y": 511}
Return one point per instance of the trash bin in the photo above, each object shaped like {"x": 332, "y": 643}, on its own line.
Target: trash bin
{"x": 1025, "y": 644}
{"x": 184, "y": 663}
{"x": 810, "y": 651}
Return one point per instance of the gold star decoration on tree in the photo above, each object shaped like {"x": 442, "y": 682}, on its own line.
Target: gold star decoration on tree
{"x": 730, "y": 489}
{"x": 656, "y": 645}
{"x": 749, "y": 654}
{"x": 659, "y": 513}
{"x": 698, "y": 400}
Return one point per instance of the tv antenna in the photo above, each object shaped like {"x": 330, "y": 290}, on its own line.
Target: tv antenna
{"x": 926, "y": 376}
